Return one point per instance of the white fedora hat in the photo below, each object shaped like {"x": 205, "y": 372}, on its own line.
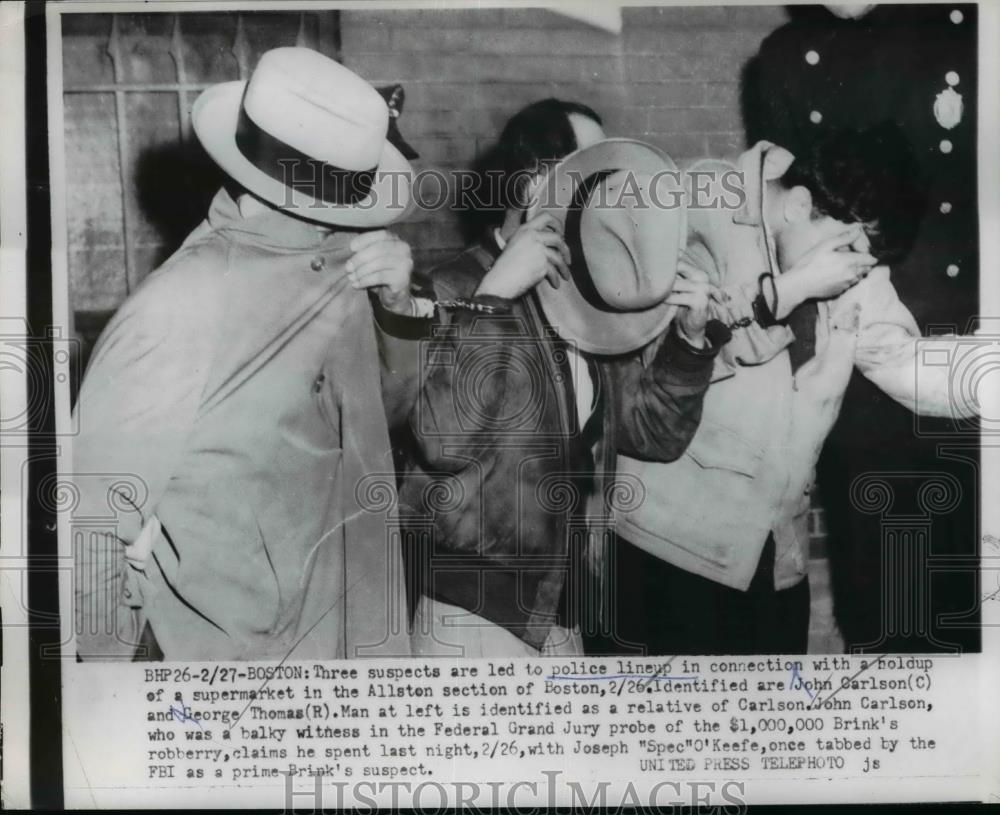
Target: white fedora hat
{"x": 620, "y": 203}
{"x": 309, "y": 136}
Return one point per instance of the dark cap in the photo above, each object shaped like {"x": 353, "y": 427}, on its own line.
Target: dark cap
{"x": 394, "y": 96}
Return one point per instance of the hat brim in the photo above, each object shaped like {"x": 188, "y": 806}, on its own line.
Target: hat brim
{"x": 215, "y": 117}
{"x": 574, "y": 318}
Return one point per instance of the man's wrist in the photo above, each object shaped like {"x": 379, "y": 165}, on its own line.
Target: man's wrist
{"x": 493, "y": 285}
{"x": 402, "y": 303}
{"x": 486, "y": 290}
{"x": 686, "y": 360}
{"x": 699, "y": 340}
{"x": 789, "y": 290}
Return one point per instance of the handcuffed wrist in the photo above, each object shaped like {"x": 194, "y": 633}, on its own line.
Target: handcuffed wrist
{"x": 487, "y": 304}
{"x": 688, "y": 340}
{"x": 689, "y": 358}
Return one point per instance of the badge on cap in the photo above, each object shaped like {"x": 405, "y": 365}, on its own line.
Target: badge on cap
{"x": 948, "y": 108}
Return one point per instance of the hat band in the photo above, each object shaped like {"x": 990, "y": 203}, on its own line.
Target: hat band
{"x": 299, "y": 172}
{"x": 582, "y": 278}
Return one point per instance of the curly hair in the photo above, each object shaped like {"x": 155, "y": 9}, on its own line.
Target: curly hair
{"x": 870, "y": 177}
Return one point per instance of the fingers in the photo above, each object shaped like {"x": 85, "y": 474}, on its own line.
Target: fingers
{"x": 555, "y": 240}
{"x": 862, "y": 243}
{"x": 841, "y": 239}
{"x": 559, "y": 262}
{"x": 552, "y": 243}
{"x": 366, "y": 239}
{"x": 138, "y": 552}
{"x": 702, "y": 289}
{"x": 549, "y": 238}
{"x": 375, "y": 277}
{"x": 543, "y": 221}
{"x": 690, "y": 300}
{"x": 859, "y": 271}
{"x": 532, "y": 195}
{"x": 688, "y": 272}
{"x": 385, "y": 247}
{"x": 135, "y": 562}
{"x": 377, "y": 274}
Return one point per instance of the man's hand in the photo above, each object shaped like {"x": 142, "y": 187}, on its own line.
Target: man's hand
{"x": 138, "y": 552}
{"x": 383, "y": 262}
{"x": 827, "y": 270}
{"x": 691, "y": 294}
{"x": 536, "y": 251}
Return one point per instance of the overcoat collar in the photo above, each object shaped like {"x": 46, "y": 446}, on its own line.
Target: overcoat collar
{"x": 272, "y": 229}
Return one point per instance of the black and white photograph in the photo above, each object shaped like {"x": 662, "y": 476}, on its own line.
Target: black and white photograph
{"x": 498, "y": 390}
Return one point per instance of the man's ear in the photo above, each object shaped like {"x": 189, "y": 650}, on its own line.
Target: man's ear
{"x": 798, "y": 205}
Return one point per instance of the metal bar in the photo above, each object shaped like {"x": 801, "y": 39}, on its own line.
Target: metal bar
{"x": 177, "y": 54}
{"x": 114, "y": 53}
{"x": 241, "y": 49}
{"x": 328, "y": 34}
{"x": 301, "y": 40}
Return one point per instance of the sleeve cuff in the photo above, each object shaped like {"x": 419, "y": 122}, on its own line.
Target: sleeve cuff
{"x": 401, "y": 326}
{"x": 685, "y": 356}
{"x": 762, "y": 312}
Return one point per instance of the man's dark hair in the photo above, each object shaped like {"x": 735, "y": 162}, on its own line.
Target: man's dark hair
{"x": 865, "y": 176}
{"x": 536, "y": 135}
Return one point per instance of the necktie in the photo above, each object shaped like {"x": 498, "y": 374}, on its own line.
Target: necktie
{"x": 802, "y": 321}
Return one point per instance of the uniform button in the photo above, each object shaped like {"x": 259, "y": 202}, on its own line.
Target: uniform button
{"x": 945, "y": 146}
{"x": 815, "y": 117}
{"x": 318, "y": 263}
{"x": 945, "y": 207}
{"x": 956, "y": 16}
{"x": 812, "y": 57}
{"x": 128, "y": 594}
{"x": 318, "y": 384}
{"x": 951, "y": 78}
{"x": 952, "y": 270}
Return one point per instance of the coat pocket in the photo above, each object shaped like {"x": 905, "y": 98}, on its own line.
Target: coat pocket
{"x": 715, "y": 446}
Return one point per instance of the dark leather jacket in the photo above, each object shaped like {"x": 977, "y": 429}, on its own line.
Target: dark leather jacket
{"x": 505, "y": 495}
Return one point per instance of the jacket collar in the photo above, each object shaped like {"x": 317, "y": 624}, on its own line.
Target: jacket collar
{"x": 271, "y": 229}
{"x": 762, "y": 163}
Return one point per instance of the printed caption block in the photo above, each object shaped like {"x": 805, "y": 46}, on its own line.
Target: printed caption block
{"x": 389, "y": 731}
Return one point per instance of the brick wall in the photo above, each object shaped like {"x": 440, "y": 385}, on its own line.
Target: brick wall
{"x": 671, "y": 77}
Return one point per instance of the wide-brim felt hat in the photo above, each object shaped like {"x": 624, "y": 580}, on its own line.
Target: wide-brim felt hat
{"x": 308, "y": 135}
{"x": 621, "y": 206}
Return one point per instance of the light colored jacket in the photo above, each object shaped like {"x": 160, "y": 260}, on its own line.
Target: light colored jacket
{"x": 236, "y": 394}
{"x": 750, "y": 468}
